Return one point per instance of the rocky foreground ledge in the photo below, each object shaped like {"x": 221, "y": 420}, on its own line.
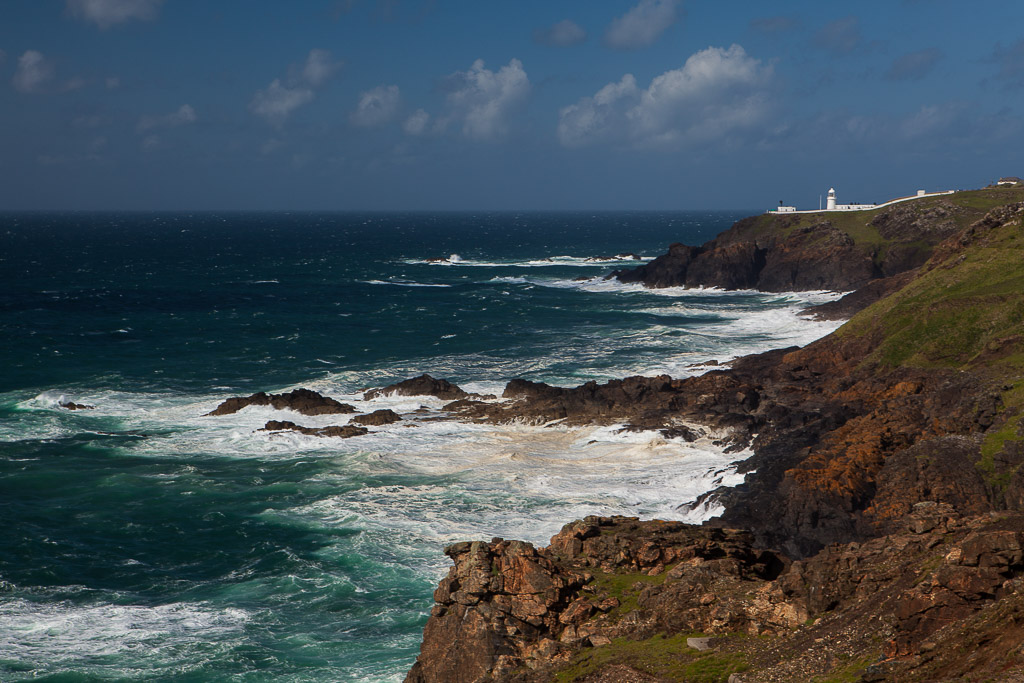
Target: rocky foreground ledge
{"x": 616, "y": 599}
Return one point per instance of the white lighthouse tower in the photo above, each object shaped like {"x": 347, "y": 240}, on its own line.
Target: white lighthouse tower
{"x": 830, "y": 204}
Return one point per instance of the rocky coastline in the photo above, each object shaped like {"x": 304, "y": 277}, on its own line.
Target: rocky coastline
{"x": 878, "y": 535}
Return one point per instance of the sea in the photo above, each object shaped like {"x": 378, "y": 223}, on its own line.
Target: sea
{"x": 143, "y": 541}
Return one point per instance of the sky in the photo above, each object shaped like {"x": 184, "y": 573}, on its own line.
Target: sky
{"x": 531, "y": 105}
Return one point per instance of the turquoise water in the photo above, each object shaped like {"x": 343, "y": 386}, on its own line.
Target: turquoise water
{"x": 143, "y": 541}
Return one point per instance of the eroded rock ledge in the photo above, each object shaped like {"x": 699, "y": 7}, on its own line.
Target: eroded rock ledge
{"x": 304, "y": 401}
{"x": 613, "y": 595}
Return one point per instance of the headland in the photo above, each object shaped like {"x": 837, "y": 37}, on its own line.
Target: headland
{"x": 879, "y": 534}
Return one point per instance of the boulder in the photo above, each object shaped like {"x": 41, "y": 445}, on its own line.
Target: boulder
{"x": 424, "y": 385}
{"x": 384, "y": 416}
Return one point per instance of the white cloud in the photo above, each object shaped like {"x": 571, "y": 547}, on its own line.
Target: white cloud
{"x": 594, "y": 118}
{"x": 107, "y": 13}
{"x": 562, "y": 34}
{"x": 483, "y": 99}
{"x": 318, "y": 68}
{"x": 112, "y": 82}
{"x": 716, "y": 92}
{"x": 184, "y": 115}
{"x": 417, "y": 122}
{"x": 33, "y": 71}
{"x": 642, "y": 25}
{"x": 376, "y": 106}
{"x": 277, "y": 101}
{"x": 151, "y": 142}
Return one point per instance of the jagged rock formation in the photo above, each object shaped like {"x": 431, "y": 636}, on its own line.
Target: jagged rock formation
{"x": 618, "y": 597}
{"x": 342, "y": 432}
{"x": 302, "y": 401}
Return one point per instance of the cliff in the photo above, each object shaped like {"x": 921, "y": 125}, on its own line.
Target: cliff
{"x": 840, "y": 251}
{"x": 878, "y": 531}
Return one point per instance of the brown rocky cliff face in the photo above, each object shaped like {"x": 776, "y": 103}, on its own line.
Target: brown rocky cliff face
{"x": 510, "y": 612}
{"x": 507, "y": 607}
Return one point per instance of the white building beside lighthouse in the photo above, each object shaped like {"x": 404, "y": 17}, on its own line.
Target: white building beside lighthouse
{"x": 832, "y": 205}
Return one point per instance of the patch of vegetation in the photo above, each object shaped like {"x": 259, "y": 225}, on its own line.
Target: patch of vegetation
{"x": 661, "y": 656}
{"x": 621, "y": 586}
{"x": 848, "y": 670}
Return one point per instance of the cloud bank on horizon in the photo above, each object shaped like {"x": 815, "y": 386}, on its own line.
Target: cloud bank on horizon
{"x": 404, "y": 104}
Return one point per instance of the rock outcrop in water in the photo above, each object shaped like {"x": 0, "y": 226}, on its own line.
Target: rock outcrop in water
{"x": 424, "y": 385}
{"x": 384, "y": 416}
{"x": 882, "y": 517}
{"x": 302, "y": 401}
{"x": 71, "y": 405}
{"x": 342, "y": 432}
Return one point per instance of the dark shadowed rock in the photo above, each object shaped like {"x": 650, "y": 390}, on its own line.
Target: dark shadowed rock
{"x": 343, "y": 432}
{"x": 855, "y": 301}
{"x": 424, "y": 385}
{"x": 785, "y": 253}
{"x": 68, "y": 405}
{"x": 384, "y": 416}
{"x": 302, "y": 401}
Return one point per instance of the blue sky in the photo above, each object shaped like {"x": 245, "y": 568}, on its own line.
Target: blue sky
{"x": 566, "y": 104}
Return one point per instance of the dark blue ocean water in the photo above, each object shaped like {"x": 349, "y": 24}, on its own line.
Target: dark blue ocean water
{"x": 142, "y": 541}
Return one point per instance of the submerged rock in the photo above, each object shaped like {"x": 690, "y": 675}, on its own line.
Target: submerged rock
{"x": 385, "y": 416}
{"x": 304, "y": 401}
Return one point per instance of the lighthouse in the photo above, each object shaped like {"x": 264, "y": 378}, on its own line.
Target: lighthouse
{"x": 830, "y": 204}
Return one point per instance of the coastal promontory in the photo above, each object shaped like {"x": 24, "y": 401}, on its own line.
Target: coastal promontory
{"x": 879, "y": 533}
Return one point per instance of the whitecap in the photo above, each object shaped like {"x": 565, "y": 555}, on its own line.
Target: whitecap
{"x": 182, "y": 636}
{"x": 404, "y": 283}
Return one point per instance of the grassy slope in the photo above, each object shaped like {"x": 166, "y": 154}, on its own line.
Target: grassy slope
{"x": 971, "y": 205}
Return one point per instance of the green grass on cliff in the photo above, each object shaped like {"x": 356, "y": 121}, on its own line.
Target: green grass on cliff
{"x": 621, "y": 587}
{"x": 966, "y": 313}
{"x": 668, "y": 658}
